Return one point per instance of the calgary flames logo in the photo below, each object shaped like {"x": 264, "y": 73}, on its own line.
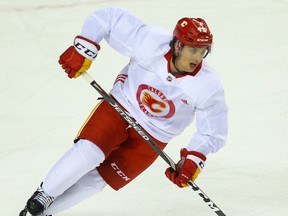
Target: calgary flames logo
{"x": 154, "y": 103}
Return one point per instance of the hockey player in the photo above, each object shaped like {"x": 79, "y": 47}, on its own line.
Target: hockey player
{"x": 166, "y": 83}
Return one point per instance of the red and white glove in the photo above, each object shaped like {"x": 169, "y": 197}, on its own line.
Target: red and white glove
{"x": 188, "y": 168}
{"x": 78, "y": 58}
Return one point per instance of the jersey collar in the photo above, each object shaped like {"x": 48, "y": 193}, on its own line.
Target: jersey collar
{"x": 168, "y": 57}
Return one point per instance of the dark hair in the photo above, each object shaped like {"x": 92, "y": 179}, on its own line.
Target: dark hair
{"x": 171, "y": 44}
{"x": 173, "y": 41}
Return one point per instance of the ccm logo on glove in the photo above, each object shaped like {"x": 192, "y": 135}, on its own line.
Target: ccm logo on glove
{"x": 86, "y": 48}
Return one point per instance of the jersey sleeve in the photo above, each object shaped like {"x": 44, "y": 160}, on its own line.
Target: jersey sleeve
{"x": 118, "y": 27}
{"x": 211, "y": 125}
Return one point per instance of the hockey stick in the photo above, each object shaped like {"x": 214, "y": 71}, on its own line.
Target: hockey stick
{"x": 149, "y": 140}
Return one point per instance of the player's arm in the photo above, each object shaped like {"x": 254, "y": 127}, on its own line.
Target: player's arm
{"x": 211, "y": 123}
{"x": 118, "y": 27}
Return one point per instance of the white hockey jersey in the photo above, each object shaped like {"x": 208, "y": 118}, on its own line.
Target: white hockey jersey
{"x": 164, "y": 105}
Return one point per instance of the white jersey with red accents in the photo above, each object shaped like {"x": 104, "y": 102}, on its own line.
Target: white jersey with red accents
{"x": 164, "y": 105}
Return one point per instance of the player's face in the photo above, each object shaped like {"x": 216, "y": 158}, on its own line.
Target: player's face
{"x": 189, "y": 57}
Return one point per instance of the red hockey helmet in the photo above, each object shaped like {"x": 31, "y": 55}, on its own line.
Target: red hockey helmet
{"x": 193, "y": 32}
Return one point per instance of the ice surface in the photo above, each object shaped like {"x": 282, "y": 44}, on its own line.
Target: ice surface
{"x": 41, "y": 110}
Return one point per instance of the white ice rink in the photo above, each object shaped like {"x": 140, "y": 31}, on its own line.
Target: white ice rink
{"x": 41, "y": 109}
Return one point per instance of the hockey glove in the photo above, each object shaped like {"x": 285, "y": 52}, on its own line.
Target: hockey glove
{"x": 78, "y": 58}
{"x": 188, "y": 168}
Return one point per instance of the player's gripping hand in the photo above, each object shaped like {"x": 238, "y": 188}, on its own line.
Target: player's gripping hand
{"x": 188, "y": 168}
{"x": 78, "y": 58}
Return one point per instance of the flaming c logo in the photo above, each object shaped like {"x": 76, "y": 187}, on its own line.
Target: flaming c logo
{"x": 154, "y": 103}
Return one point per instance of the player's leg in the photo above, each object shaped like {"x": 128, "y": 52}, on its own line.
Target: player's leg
{"x": 102, "y": 133}
{"x": 81, "y": 158}
{"x": 87, "y": 186}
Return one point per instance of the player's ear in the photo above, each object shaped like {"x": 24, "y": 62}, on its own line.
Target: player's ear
{"x": 177, "y": 47}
